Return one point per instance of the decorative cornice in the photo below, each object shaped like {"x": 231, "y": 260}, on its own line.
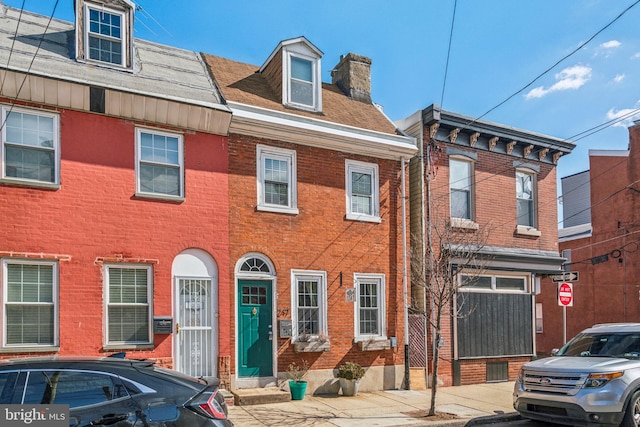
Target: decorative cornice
{"x": 527, "y": 151}
{"x": 510, "y": 146}
{"x": 542, "y": 154}
{"x": 492, "y": 143}
{"x": 473, "y": 139}
{"x": 556, "y": 157}
{"x": 453, "y": 135}
{"x": 433, "y": 129}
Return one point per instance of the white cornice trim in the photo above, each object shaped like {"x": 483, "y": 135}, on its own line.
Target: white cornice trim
{"x": 266, "y": 123}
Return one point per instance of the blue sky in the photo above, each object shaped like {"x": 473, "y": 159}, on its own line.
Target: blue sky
{"x": 497, "y": 48}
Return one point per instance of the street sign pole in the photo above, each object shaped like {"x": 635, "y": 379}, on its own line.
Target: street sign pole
{"x": 564, "y": 324}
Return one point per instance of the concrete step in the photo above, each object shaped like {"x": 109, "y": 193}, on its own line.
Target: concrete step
{"x": 258, "y": 396}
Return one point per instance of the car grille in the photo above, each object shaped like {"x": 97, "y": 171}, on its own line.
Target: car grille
{"x": 567, "y": 383}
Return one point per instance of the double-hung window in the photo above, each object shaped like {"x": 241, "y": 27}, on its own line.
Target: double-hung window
{"x": 277, "y": 188}
{"x": 30, "y": 146}
{"x": 309, "y": 303}
{"x": 105, "y": 35}
{"x": 526, "y": 198}
{"x": 461, "y": 188}
{"x": 363, "y": 192}
{"x": 160, "y": 164}
{"x": 370, "y": 307}
{"x": 30, "y": 304}
{"x": 128, "y": 293}
{"x": 302, "y": 82}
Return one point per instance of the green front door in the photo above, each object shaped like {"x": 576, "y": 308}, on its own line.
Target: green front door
{"x": 255, "y": 333}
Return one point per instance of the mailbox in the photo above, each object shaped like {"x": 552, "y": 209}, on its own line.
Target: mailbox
{"x": 162, "y": 325}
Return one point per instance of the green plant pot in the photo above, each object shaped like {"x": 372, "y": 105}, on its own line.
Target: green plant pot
{"x": 297, "y": 389}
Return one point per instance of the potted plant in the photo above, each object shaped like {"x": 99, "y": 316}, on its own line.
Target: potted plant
{"x": 306, "y": 343}
{"x": 350, "y": 374}
{"x": 297, "y": 385}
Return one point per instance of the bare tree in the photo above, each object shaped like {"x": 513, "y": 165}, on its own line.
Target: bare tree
{"x": 452, "y": 259}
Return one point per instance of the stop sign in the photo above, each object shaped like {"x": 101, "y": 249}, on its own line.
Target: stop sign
{"x": 565, "y": 294}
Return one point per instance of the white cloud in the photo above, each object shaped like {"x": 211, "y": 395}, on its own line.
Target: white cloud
{"x": 636, "y": 56}
{"x": 618, "y": 78}
{"x": 569, "y": 78}
{"x": 611, "y": 44}
{"x": 626, "y": 116}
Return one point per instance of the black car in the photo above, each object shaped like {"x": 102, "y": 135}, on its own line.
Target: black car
{"x": 114, "y": 391}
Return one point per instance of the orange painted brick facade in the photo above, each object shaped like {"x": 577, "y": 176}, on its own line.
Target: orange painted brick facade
{"x": 320, "y": 238}
{"x": 94, "y": 217}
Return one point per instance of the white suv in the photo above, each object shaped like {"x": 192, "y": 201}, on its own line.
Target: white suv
{"x": 594, "y": 380}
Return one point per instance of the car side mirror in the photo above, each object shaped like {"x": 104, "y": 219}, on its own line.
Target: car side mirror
{"x": 555, "y": 351}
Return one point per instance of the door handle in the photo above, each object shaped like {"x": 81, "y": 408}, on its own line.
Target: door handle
{"x": 177, "y": 328}
{"x": 109, "y": 419}
{"x": 270, "y": 335}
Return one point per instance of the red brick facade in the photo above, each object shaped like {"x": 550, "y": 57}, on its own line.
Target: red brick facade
{"x": 94, "y": 218}
{"x": 605, "y": 291}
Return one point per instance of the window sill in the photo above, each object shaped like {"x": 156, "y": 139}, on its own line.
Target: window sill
{"x": 363, "y": 218}
{"x": 120, "y": 347}
{"x": 160, "y": 197}
{"x": 30, "y": 184}
{"x": 465, "y": 224}
{"x": 524, "y": 230}
{"x": 311, "y": 346}
{"x": 51, "y": 349}
{"x": 374, "y": 345}
{"x": 277, "y": 209}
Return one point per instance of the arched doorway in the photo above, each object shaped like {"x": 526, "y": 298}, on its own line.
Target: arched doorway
{"x": 255, "y": 314}
{"x": 195, "y": 276}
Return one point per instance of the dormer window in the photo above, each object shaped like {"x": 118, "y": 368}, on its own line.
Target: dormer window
{"x": 301, "y": 81}
{"x": 105, "y": 36}
{"x": 104, "y": 32}
{"x": 293, "y": 70}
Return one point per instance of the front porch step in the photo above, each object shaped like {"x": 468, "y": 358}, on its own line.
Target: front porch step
{"x": 258, "y": 396}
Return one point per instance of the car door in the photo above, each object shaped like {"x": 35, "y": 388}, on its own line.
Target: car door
{"x": 94, "y": 398}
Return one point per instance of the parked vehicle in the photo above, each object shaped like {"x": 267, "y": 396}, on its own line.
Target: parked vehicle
{"x": 114, "y": 391}
{"x": 592, "y": 380}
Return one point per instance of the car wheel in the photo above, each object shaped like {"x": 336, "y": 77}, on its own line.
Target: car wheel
{"x": 632, "y": 416}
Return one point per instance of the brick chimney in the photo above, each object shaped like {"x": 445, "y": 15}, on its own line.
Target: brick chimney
{"x": 353, "y": 76}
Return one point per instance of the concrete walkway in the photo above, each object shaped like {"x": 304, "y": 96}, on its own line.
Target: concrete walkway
{"x": 381, "y": 409}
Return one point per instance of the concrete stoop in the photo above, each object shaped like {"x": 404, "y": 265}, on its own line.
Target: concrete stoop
{"x": 258, "y": 396}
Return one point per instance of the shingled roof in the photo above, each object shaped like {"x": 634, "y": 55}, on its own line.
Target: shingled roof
{"x": 242, "y": 83}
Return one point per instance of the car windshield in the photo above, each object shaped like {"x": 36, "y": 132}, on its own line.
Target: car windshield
{"x": 625, "y": 345}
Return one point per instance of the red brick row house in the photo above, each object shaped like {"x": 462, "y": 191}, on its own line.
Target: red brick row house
{"x": 474, "y": 177}
{"x": 113, "y": 193}
{"x": 600, "y": 241}
{"x": 316, "y": 225}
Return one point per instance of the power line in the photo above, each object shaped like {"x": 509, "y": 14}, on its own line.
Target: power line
{"x": 446, "y": 67}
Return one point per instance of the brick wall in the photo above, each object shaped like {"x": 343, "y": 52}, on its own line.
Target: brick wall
{"x": 95, "y": 214}
{"x": 320, "y": 238}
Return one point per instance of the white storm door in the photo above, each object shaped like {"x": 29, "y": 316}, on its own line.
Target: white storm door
{"x": 195, "y": 328}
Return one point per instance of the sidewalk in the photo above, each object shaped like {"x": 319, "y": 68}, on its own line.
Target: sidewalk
{"x": 380, "y": 409}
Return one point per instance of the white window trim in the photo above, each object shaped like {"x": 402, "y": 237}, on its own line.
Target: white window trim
{"x": 371, "y": 169}
{"x": 105, "y": 326}
{"x": 140, "y": 193}
{"x": 529, "y": 230}
{"x": 494, "y": 275}
{"x": 56, "y": 148}
{"x": 471, "y": 165}
{"x": 322, "y": 296}
{"x": 316, "y": 81}
{"x": 56, "y": 308}
{"x": 382, "y": 306}
{"x": 263, "y": 152}
{"x": 124, "y": 36}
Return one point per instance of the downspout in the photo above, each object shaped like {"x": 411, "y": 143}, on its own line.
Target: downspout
{"x": 407, "y": 384}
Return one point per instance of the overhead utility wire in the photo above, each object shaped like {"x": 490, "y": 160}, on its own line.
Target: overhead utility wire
{"x": 13, "y": 43}
{"x": 554, "y": 65}
{"x": 35, "y": 54}
{"x": 446, "y": 67}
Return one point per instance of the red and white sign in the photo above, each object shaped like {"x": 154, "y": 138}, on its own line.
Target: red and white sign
{"x": 565, "y": 294}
